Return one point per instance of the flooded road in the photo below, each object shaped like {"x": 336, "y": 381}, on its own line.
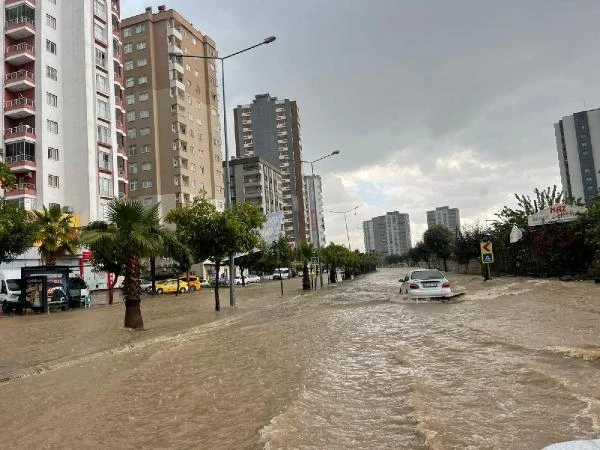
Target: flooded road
{"x": 516, "y": 365}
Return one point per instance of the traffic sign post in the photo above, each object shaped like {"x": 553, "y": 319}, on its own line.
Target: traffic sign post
{"x": 314, "y": 261}
{"x": 487, "y": 256}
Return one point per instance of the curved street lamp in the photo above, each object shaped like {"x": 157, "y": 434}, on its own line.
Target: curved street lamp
{"x": 266, "y": 40}
{"x": 346, "y": 222}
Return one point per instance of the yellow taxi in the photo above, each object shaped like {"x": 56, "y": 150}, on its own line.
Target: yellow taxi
{"x": 170, "y": 286}
{"x": 192, "y": 281}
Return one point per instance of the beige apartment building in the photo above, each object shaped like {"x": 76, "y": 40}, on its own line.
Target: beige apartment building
{"x": 172, "y": 112}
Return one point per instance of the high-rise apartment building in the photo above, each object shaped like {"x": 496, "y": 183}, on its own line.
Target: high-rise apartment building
{"x": 445, "y": 216}
{"x": 172, "y": 112}
{"x": 63, "y": 130}
{"x": 316, "y": 219}
{"x": 578, "y": 146}
{"x": 256, "y": 181}
{"x": 270, "y": 128}
{"x": 388, "y": 235}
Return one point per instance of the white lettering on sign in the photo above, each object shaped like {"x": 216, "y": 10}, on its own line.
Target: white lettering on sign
{"x": 554, "y": 214}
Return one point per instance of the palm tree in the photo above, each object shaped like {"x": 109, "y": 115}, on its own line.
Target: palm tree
{"x": 56, "y": 234}
{"x": 137, "y": 229}
{"x": 305, "y": 252}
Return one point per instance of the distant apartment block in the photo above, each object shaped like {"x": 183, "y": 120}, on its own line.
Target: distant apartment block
{"x": 256, "y": 181}
{"x": 316, "y": 221}
{"x": 578, "y": 146}
{"x": 388, "y": 235}
{"x": 172, "y": 111}
{"x": 63, "y": 129}
{"x": 445, "y": 216}
{"x": 270, "y": 128}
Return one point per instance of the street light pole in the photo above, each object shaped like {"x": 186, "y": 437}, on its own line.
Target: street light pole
{"x": 346, "y": 222}
{"x": 313, "y": 204}
{"x": 267, "y": 40}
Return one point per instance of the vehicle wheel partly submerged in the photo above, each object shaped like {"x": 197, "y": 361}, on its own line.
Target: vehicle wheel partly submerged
{"x": 182, "y": 290}
{"x": 159, "y": 291}
{"x": 192, "y": 288}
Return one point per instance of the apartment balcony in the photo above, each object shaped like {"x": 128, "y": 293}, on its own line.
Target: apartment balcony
{"x": 174, "y": 48}
{"x": 175, "y": 33}
{"x": 19, "y": 108}
{"x": 19, "y": 54}
{"x": 119, "y": 103}
{"x": 105, "y": 167}
{"x": 19, "y": 28}
{"x": 121, "y": 128}
{"x": 13, "y": 3}
{"x": 116, "y": 33}
{"x": 21, "y": 163}
{"x": 20, "y": 133}
{"x": 121, "y": 151}
{"x": 115, "y": 10}
{"x": 173, "y": 65}
{"x": 119, "y": 81}
{"x": 18, "y": 81}
{"x": 177, "y": 84}
{"x": 20, "y": 189}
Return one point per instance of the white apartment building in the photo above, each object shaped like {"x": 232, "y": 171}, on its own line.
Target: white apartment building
{"x": 63, "y": 131}
{"x": 316, "y": 219}
{"x": 444, "y": 216}
{"x": 388, "y": 235}
{"x": 578, "y": 146}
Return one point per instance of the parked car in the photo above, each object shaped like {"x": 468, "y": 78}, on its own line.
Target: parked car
{"x": 282, "y": 273}
{"x": 425, "y": 283}
{"x": 145, "y": 285}
{"x": 204, "y": 283}
{"x": 192, "y": 281}
{"x": 170, "y": 286}
{"x": 252, "y": 279}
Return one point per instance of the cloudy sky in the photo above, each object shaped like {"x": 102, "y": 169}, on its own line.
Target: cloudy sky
{"x": 430, "y": 102}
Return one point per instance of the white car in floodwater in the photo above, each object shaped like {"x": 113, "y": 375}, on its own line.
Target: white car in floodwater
{"x": 425, "y": 283}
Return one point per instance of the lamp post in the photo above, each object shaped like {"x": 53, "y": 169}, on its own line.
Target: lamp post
{"x": 313, "y": 204}
{"x": 266, "y": 40}
{"x": 346, "y": 222}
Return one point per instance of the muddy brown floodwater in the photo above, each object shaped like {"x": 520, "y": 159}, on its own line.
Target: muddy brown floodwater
{"x": 516, "y": 365}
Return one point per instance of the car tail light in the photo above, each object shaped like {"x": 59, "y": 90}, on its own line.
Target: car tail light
{"x": 413, "y": 286}
{"x": 446, "y": 285}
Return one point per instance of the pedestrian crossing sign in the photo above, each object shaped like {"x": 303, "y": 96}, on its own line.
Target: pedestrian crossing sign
{"x": 488, "y": 258}
{"x": 315, "y": 260}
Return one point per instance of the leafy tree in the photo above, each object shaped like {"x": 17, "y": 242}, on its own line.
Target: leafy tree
{"x": 108, "y": 256}
{"x": 334, "y": 256}
{"x": 56, "y": 234}
{"x": 7, "y": 178}
{"x": 467, "y": 245}
{"x": 393, "y": 259}
{"x": 136, "y": 229}
{"x": 589, "y": 223}
{"x": 304, "y": 254}
{"x": 17, "y": 231}
{"x": 419, "y": 253}
{"x": 438, "y": 240}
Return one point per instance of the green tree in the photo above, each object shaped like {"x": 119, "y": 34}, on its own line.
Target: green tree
{"x": 438, "y": 240}
{"x": 7, "y": 178}
{"x": 393, "y": 259}
{"x": 467, "y": 245}
{"x": 136, "y": 229}
{"x": 304, "y": 254}
{"x": 56, "y": 234}
{"x": 334, "y": 257}
{"x": 17, "y": 231}
{"x": 419, "y": 253}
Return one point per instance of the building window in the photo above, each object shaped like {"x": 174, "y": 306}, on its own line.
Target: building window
{"x": 100, "y": 32}
{"x": 52, "y": 126}
{"x": 128, "y": 48}
{"x": 127, "y": 32}
{"x": 105, "y": 186}
{"x": 130, "y": 99}
{"x": 128, "y": 64}
{"x": 101, "y": 83}
{"x": 140, "y": 28}
{"x": 143, "y": 97}
{"x": 132, "y": 150}
{"x": 53, "y": 181}
{"x": 144, "y": 131}
{"x": 130, "y": 116}
{"x": 143, "y": 79}
{"x": 53, "y": 153}
{"x": 147, "y": 184}
{"x": 146, "y": 148}
{"x": 144, "y": 114}
{"x": 100, "y": 58}
{"x": 51, "y": 99}
{"x": 103, "y": 134}
{"x": 102, "y": 109}
{"x": 133, "y": 185}
{"x": 142, "y": 62}
{"x": 129, "y": 81}
{"x": 51, "y": 46}
{"x": 51, "y": 73}
{"x": 141, "y": 45}
{"x": 147, "y": 166}
{"x": 131, "y": 133}
{"x": 133, "y": 168}
{"x": 51, "y": 21}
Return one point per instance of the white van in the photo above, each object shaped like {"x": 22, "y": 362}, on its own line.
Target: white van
{"x": 10, "y": 289}
{"x": 283, "y": 273}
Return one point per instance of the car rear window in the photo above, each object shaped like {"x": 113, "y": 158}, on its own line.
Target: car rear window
{"x": 426, "y": 275}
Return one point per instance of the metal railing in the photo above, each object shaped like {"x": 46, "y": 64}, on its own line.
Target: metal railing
{"x": 19, "y": 48}
{"x": 19, "y": 74}
{"x": 19, "y": 20}
{"x": 19, "y": 102}
{"x": 19, "y": 129}
{"x": 18, "y": 158}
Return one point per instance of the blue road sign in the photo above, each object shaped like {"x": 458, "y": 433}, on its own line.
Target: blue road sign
{"x": 488, "y": 258}
{"x": 314, "y": 261}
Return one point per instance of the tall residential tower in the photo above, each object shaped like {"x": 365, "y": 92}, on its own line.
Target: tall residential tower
{"x": 63, "y": 90}
{"x": 270, "y": 128}
{"x": 578, "y": 146}
{"x": 446, "y": 217}
{"x": 173, "y": 123}
{"x": 388, "y": 235}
